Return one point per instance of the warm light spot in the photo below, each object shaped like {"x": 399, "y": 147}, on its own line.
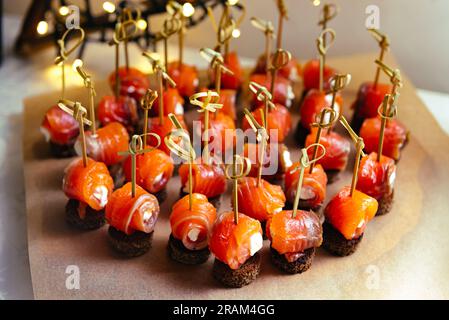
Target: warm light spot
{"x": 63, "y": 11}
{"x": 77, "y": 63}
{"x": 316, "y": 3}
{"x": 142, "y": 24}
{"x": 236, "y": 33}
{"x": 42, "y": 27}
{"x": 233, "y": 2}
{"x": 187, "y": 9}
{"x": 108, "y": 7}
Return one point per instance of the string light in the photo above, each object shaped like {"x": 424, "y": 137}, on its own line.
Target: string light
{"x": 109, "y": 7}
{"x": 63, "y": 11}
{"x": 236, "y": 33}
{"x": 77, "y": 63}
{"x": 142, "y": 24}
{"x": 316, "y": 3}
{"x": 187, "y": 9}
{"x": 42, "y": 27}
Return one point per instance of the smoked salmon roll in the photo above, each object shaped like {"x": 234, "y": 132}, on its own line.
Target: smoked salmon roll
{"x": 208, "y": 180}
{"x": 313, "y": 191}
{"x": 395, "y": 137}
{"x": 122, "y": 110}
{"x": 60, "y": 130}
{"x": 337, "y": 152}
{"x": 277, "y": 160}
{"x": 191, "y": 229}
{"x": 259, "y": 201}
{"x": 88, "y": 189}
{"x": 294, "y": 239}
{"x": 376, "y": 179}
{"x": 155, "y": 126}
{"x": 283, "y": 91}
{"x": 368, "y": 100}
{"x": 173, "y": 103}
{"x": 185, "y": 77}
{"x": 132, "y": 220}
{"x": 106, "y": 144}
{"x": 235, "y": 248}
{"x": 311, "y": 75}
{"x": 279, "y": 122}
{"x": 313, "y": 103}
{"x": 346, "y": 220}
{"x": 133, "y": 83}
{"x": 153, "y": 171}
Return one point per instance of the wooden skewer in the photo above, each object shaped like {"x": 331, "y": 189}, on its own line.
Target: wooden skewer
{"x": 262, "y": 138}
{"x": 267, "y": 28}
{"x": 136, "y": 147}
{"x": 245, "y": 166}
{"x": 88, "y": 83}
{"x": 209, "y": 104}
{"x": 329, "y": 12}
{"x": 64, "y": 54}
{"x": 283, "y": 14}
{"x": 185, "y": 152}
{"x": 322, "y": 124}
{"x": 280, "y": 59}
{"x": 322, "y": 50}
{"x": 384, "y": 44}
{"x": 387, "y": 110}
{"x": 147, "y": 104}
{"x": 78, "y": 112}
{"x": 303, "y": 164}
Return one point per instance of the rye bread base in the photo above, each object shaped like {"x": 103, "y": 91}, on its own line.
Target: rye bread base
{"x": 117, "y": 174}
{"x": 336, "y": 243}
{"x": 179, "y": 253}
{"x": 385, "y": 204}
{"x": 357, "y": 122}
{"x": 332, "y": 175}
{"x": 215, "y": 201}
{"x": 62, "y": 150}
{"x": 301, "y": 134}
{"x": 92, "y": 220}
{"x": 132, "y": 245}
{"x": 302, "y": 205}
{"x": 298, "y": 266}
{"x": 241, "y": 277}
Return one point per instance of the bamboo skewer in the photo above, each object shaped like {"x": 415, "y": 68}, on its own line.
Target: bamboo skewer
{"x": 384, "y": 44}
{"x": 147, "y": 104}
{"x": 280, "y": 59}
{"x": 185, "y": 151}
{"x": 321, "y": 125}
{"x": 207, "y": 102}
{"x": 303, "y": 164}
{"x": 322, "y": 51}
{"x": 387, "y": 110}
{"x": 244, "y": 164}
{"x": 76, "y": 110}
{"x": 136, "y": 147}
{"x": 161, "y": 74}
{"x": 64, "y": 54}
{"x": 88, "y": 83}
{"x": 262, "y": 138}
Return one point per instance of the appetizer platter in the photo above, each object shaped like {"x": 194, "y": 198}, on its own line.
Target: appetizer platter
{"x": 349, "y": 201}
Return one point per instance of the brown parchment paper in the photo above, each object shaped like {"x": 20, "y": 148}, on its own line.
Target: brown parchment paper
{"x": 404, "y": 254}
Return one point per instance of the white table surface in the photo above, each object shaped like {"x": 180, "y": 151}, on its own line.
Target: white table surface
{"x": 21, "y": 78}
